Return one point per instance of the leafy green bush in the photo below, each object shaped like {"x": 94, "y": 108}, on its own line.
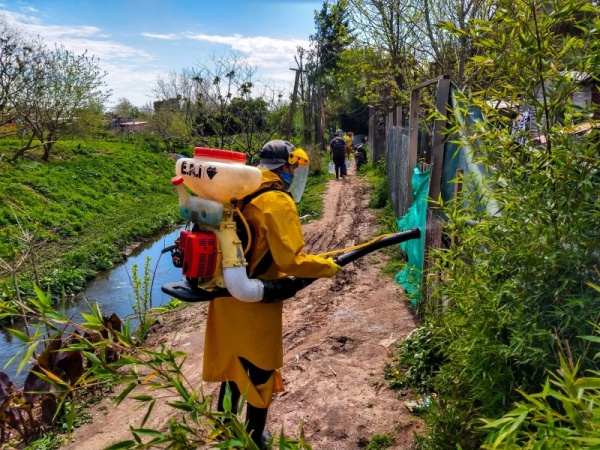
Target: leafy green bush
{"x": 380, "y": 442}
{"x": 516, "y": 287}
{"x": 69, "y": 279}
{"x": 417, "y": 361}
{"x": 564, "y": 415}
{"x": 379, "y": 179}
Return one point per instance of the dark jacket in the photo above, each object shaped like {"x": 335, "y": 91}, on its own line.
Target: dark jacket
{"x": 337, "y": 147}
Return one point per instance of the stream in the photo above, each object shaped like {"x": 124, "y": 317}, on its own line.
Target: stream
{"x": 113, "y": 292}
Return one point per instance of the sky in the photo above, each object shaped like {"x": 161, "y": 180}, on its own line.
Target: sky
{"x": 137, "y": 41}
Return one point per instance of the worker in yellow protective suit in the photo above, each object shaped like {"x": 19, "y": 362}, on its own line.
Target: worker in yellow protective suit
{"x": 244, "y": 341}
{"x": 349, "y": 146}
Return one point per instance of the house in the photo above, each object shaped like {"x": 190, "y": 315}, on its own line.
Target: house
{"x": 127, "y": 125}
{"x": 586, "y": 97}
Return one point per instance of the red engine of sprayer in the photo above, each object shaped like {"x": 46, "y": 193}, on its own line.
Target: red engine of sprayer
{"x": 196, "y": 254}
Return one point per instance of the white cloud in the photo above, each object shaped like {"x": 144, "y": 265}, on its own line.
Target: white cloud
{"x": 170, "y": 36}
{"x": 260, "y": 47}
{"x": 105, "y": 50}
{"x": 274, "y": 57}
{"x": 135, "y": 85}
{"x": 15, "y": 18}
{"x": 54, "y": 32}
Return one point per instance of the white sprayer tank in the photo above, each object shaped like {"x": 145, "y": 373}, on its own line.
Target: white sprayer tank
{"x": 218, "y": 175}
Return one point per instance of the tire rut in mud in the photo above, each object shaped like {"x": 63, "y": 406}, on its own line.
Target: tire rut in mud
{"x": 345, "y": 224}
{"x": 346, "y": 204}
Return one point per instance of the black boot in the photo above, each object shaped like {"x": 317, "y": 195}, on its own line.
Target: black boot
{"x": 256, "y": 419}
{"x": 265, "y": 439}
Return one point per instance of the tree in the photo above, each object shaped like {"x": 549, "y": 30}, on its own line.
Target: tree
{"x": 67, "y": 87}
{"x": 124, "y": 108}
{"x": 367, "y": 73}
{"x": 331, "y": 37}
{"x": 17, "y": 58}
{"x": 447, "y": 29}
{"x": 168, "y": 123}
{"x": 221, "y": 103}
{"x": 146, "y": 110}
{"x": 382, "y": 28}
{"x": 305, "y": 96}
{"x": 416, "y": 45}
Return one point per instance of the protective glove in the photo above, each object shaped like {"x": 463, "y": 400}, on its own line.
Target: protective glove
{"x": 336, "y": 268}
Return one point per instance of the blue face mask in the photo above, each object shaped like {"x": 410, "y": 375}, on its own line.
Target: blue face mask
{"x": 286, "y": 177}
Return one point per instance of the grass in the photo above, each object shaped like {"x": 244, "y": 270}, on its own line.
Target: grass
{"x": 79, "y": 212}
{"x": 380, "y": 442}
{"x": 49, "y": 441}
{"x": 385, "y": 215}
{"x": 312, "y": 200}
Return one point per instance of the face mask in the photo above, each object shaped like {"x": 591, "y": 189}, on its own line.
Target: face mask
{"x": 286, "y": 177}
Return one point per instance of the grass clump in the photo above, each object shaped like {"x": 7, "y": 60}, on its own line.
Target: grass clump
{"x": 380, "y": 442}
{"x": 377, "y": 175}
{"x": 311, "y": 204}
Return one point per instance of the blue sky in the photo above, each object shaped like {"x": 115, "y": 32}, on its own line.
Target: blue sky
{"x": 139, "y": 40}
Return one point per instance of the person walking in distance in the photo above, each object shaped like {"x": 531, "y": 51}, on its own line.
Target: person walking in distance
{"x": 337, "y": 148}
{"x": 360, "y": 154}
{"x": 244, "y": 341}
{"x": 349, "y": 144}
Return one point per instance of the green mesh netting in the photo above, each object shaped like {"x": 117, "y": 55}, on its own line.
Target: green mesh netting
{"x": 410, "y": 277}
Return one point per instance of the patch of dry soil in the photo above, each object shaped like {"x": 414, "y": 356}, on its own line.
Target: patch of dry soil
{"x": 338, "y": 335}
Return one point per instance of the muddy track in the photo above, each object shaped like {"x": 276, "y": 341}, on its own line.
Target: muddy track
{"x": 338, "y": 336}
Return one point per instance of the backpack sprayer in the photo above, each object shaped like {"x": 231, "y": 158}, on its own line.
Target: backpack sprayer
{"x": 211, "y": 255}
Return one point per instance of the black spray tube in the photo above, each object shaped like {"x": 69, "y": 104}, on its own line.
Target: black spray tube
{"x": 284, "y": 288}
{"x": 403, "y": 236}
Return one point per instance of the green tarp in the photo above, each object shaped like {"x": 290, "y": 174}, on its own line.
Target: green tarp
{"x": 411, "y": 276}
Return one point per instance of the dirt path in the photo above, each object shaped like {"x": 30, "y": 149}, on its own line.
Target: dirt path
{"x": 338, "y": 334}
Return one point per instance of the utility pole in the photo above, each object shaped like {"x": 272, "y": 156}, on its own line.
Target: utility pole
{"x": 293, "y": 105}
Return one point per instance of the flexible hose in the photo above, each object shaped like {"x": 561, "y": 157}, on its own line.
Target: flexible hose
{"x": 376, "y": 244}
{"x": 248, "y": 233}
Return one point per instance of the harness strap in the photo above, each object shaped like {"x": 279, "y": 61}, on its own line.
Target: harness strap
{"x": 265, "y": 262}
{"x": 247, "y": 199}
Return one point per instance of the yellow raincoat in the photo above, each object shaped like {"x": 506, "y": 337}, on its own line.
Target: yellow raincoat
{"x": 254, "y": 331}
{"x": 348, "y": 140}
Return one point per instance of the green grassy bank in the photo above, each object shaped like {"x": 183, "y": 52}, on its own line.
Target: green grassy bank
{"x": 64, "y": 220}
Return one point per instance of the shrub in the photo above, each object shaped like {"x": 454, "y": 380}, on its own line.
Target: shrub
{"x": 417, "y": 361}
{"x": 381, "y": 194}
{"x": 565, "y": 414}
{"x": 515, "y": 288}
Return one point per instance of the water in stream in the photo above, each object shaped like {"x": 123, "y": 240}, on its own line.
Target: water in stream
{"x": 112, "y": 291}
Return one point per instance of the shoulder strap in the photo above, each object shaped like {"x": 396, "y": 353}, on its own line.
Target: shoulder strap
{"x": 248, "y": 198}
{"x": 265, "y": 262}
